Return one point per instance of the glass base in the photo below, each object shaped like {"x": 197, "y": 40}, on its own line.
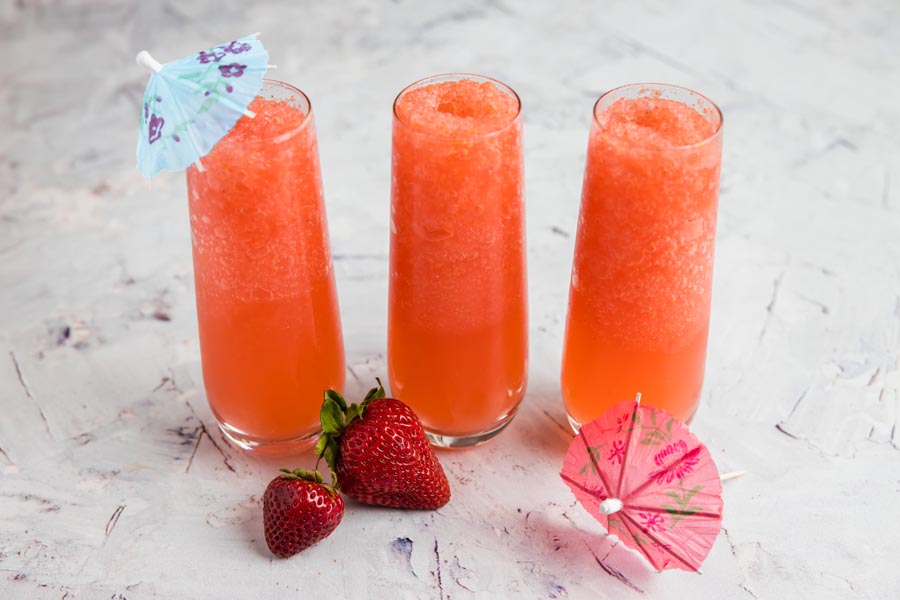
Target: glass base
{"x": 256, "y": 445}
{"x": 448, "y": 441}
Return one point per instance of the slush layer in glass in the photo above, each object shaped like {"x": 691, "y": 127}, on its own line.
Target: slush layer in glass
{"x": 270, "y": 333}
{"x": 457, "y": 327}
{"x": 642, "y": 273}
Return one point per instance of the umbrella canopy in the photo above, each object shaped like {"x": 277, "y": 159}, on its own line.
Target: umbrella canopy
{"x": 191, "y": 103}
{"x": 648, "y": 480}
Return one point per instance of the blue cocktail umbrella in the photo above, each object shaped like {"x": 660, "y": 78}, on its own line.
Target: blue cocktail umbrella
{"x": 191, "y": 103}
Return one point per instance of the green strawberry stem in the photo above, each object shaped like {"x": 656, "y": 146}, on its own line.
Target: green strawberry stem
{"x": 311, "y": 475}
{"x": 335, "y": 416}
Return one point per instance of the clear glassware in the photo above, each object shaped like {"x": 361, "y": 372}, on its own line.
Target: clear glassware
{"x": 267, "y": 308}
{"x": 457, "y": 323}
{"x": 639, "y": 297}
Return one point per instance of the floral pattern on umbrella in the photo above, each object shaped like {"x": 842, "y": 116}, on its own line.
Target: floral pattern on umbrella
{"x": 193, "y": 102}
{"x": 647, "y": 479}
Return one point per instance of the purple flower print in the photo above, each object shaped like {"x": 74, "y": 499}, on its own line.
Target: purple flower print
{"x": 146, "y": 111}
{"x": 236, "y": 47}
{"x": 232, "y": 70}
{"x": 212, "y": 55}
{"x": 652, "y": 522}
{"x": 617, "y": 453}
{"x": 176, "y": 138}
{"x": 229, "y": 89}
{"x": 155, "y": 130}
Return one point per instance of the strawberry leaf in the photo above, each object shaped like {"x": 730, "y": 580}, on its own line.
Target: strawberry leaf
{"x": 337, "y": 399}
{"x": 332, "y": 416}
{"x": 304, "y": 474}
{"x": 329, "y": 453}
{"x": 354, "y": 411}
{"x": 375, "y": 393}
{"x": 320, "y": 445}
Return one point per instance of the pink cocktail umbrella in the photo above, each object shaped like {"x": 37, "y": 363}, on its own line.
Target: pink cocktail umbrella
{"x": 648, "y": 480}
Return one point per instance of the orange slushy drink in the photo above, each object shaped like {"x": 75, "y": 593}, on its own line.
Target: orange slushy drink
{"x": 457, "y": 323}
{"x": 270, "y": 333}
{"x": 641, "y": 279}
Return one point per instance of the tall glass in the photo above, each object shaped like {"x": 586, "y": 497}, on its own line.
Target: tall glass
{"x": 270, "y": 332}
{"x": 642, "y": 274}
{"x": 457, "y": 322}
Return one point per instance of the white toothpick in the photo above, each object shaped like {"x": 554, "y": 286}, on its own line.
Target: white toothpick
{"x": 144, "y": 59}
{"x": 731, "y": 475}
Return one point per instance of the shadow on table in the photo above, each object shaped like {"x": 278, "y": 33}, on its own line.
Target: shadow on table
{"x": 591, "y": 558}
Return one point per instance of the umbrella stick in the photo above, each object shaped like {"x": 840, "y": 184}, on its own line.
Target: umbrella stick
{"x": 144, "y": 59}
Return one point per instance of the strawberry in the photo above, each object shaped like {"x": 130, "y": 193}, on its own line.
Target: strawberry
{"x": 299, "y": 510}
{"x": 379, "y": 452}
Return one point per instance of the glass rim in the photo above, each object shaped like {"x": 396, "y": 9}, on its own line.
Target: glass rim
{"x": 290, "y": 133}
{"x": 717, "y": 132}
{"x": 458, "y": 75}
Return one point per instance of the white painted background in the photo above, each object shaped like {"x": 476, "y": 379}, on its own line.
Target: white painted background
{"x": 115, "y": 483}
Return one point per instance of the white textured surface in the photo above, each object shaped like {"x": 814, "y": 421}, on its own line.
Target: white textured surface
{"x": 114, "y": 481}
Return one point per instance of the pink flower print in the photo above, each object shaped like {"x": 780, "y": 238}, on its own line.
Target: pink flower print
{"x": 622, "y": 421}
{"x": 678, "y": 448}
{"x": 232, "y": 70}
{"x": 652, "y": 522}
{"x": 687, "y": 466}
{"x": 236, "y": 48}
{"x": 213, "y": 55}
{"x": 680, "y": 471}
{"x": 661, "y": 547}
{"x": 617, "y": 452}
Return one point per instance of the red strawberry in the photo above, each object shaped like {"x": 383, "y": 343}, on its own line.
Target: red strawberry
{"x": 299, "y": 510}
{"x": 379, "y": 452}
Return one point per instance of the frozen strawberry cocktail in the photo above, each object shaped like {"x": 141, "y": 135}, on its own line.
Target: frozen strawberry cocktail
{"x": 270, "y": 333}
{"x": 642, "y": 273}
{"x": 457, "y": 328}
